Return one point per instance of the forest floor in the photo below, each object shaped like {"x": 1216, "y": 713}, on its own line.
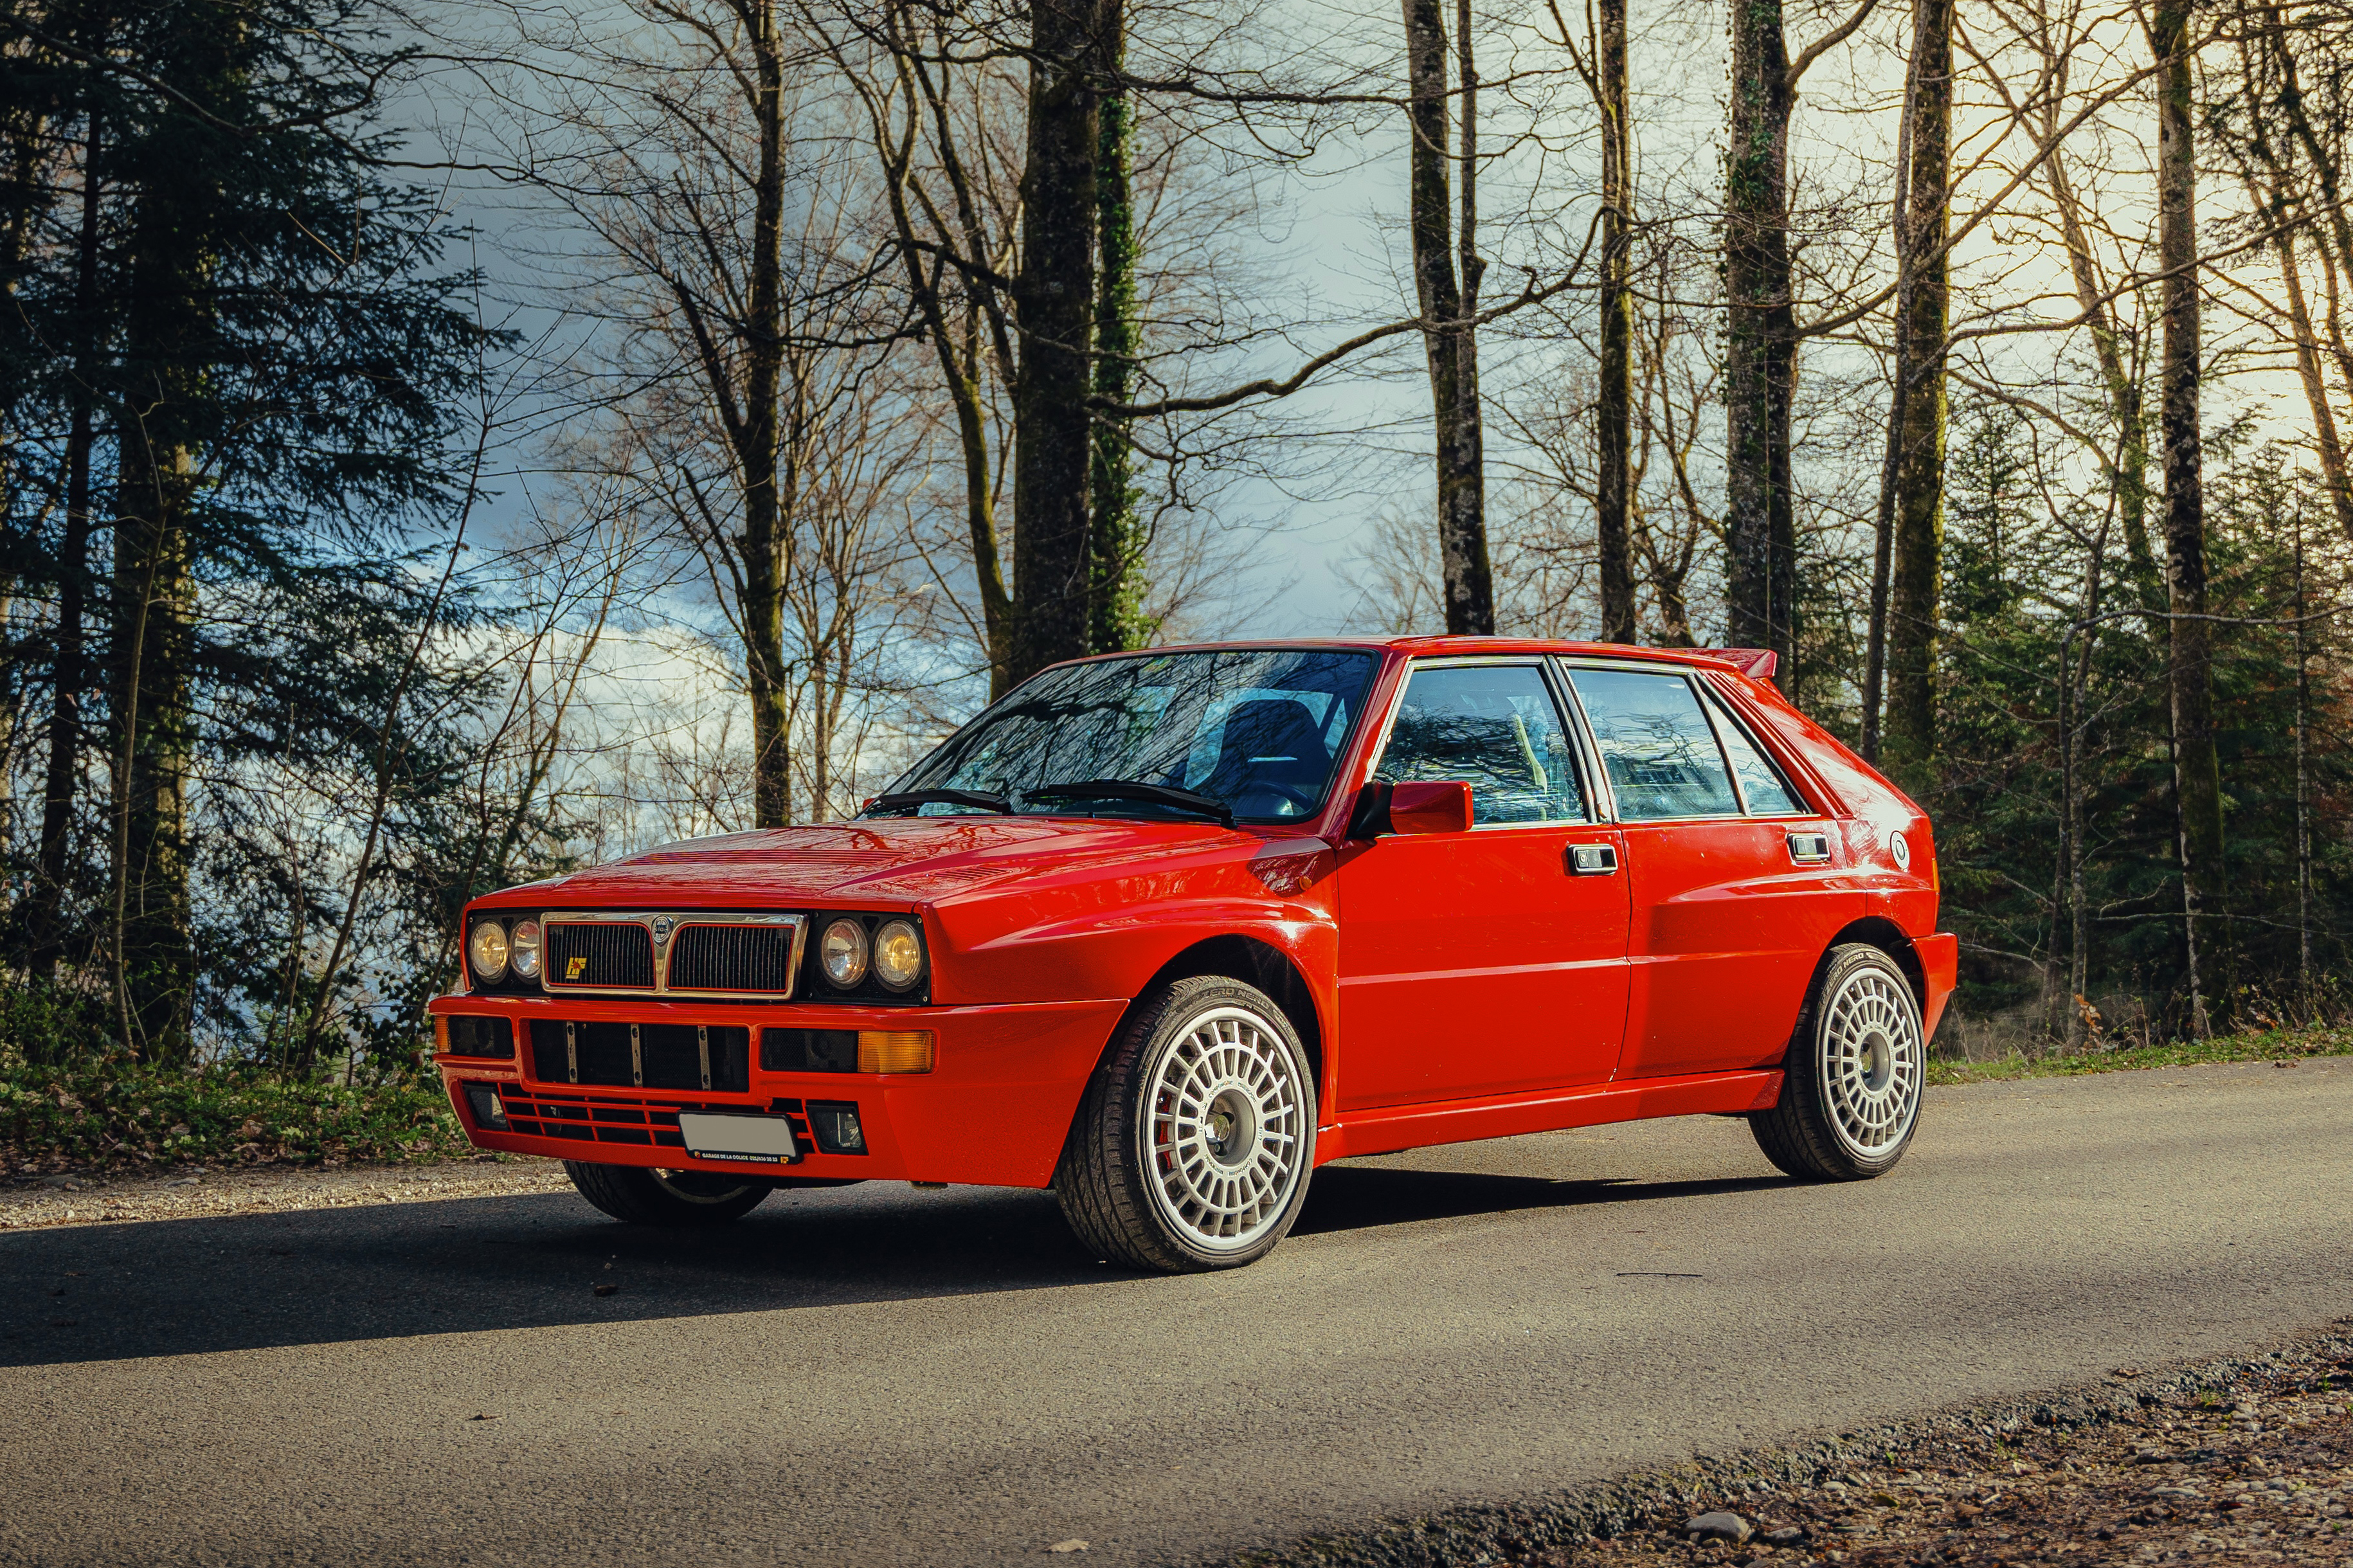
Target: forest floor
{"x": 2285, "y": 1046}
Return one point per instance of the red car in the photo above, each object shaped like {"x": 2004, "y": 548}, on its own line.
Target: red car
{"x": 1166, "y": 930}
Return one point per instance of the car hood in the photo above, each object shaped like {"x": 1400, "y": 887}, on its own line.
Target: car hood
{"x": 906, "y": 860}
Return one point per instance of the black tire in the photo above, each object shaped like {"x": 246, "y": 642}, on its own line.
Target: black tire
{"x": 1852, "y": 1081}
{"x": 672, "y": 1199}
{"x": 1139, "y": 1182}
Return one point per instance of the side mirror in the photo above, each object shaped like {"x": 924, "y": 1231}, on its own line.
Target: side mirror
{"x": 1427, "y": 807}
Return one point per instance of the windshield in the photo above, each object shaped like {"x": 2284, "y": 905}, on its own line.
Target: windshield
{"x": 1257, "y": 730}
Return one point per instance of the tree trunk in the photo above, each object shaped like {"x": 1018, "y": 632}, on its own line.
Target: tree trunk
{"x": 2302, "y": 794}
{"x": 766, "y": 526}
{"x": 62, "y": 776}
{"x": 1447, "y": 339}
{"x": 1760, "y": 522}
{"x": 956, "y": 338}
{"x": 1054, "y": 301}
{"x": 154, "y": 615}
{"x": 1917, "y": 543}
{"x": 2116, "y": 375}
{"x": 2197, "y": 788}
{"x": 1117, "y": 610}
{"x": 1614, "y": 400}
{"x": 2326, "y": 443}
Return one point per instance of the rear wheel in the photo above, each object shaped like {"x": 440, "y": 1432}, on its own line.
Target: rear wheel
{"x": 643, "y": 1195}
{"x": 1194, "y": 1142}
{"x": 1852, "y": 1082}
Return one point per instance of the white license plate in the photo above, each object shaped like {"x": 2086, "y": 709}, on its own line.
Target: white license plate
{"x": 757, "y": 1140}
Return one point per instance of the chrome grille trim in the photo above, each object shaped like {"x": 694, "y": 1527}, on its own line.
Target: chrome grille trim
{"x": 668, "y": 924}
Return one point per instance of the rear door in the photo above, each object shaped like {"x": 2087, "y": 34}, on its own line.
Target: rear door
{"x": 1482, "y": 963}
{"x": 1734, "y": 888}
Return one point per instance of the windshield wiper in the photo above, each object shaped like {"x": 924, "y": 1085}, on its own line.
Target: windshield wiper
{"x": 978, "y": 799}
{"x": 1125, "y": 789}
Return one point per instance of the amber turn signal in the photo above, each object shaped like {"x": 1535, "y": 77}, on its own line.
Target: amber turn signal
{"x": 894, "y": 1050}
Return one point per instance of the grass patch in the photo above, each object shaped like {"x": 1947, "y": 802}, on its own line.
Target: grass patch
{"x": 128, "y": 1118}
{"x": 2254, "y": 1045}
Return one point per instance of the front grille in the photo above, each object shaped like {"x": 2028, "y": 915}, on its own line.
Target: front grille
{"x": 641, "y": 1055}
{"x": 753, "y": 959}
{"x": 598, "y": 1119}
{"x": 609, "y": 956}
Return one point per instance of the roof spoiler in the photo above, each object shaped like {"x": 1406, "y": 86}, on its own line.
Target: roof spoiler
{"x": 1756, "y": 663}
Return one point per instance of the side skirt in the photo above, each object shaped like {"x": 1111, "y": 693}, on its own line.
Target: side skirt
{"x": 1392, "y": 1127}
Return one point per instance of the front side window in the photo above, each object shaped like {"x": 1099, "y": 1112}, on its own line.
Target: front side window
{"x": 1494, "y": 727}
{"x": 1256, "y": 729}
{"x": 1656, "y": 743}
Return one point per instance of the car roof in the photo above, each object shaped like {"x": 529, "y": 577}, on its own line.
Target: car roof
{"x": 1427, "y": 646}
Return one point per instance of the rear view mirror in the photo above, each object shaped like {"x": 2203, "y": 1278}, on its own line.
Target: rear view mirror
{"x": 1441, "y": 805}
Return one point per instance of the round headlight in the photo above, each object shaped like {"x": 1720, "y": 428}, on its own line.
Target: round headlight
{"x": 842, "y": 952}
{"x": 898, "y": 954}
{"x": 487, "y": 948}
{"x": 523, "y": 949}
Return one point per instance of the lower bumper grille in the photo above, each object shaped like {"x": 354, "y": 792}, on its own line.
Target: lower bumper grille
{"x": 594, "y": 1118}
{"x": 643, "y": 1056}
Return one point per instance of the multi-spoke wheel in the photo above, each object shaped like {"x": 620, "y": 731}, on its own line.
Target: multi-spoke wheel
{"x": 1194, "y": 1142}
{"x": 1851, "y": 1093}
{"x": 645, "y": 1197}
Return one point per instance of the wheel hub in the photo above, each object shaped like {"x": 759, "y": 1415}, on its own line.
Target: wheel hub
{"x": 1230, "y": 1130}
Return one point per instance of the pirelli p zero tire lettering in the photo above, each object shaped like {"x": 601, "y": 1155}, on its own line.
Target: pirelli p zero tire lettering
{"x": 1195, "y": 1140}
{"x": 669, "y": 1198}
{"x": 1851, "y": 1083}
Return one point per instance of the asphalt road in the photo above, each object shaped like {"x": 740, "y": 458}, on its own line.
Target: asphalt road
{"x": 879, "y": 1376}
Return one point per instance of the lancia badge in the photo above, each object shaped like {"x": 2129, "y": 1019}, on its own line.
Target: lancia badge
{"x": 662, "y": 927}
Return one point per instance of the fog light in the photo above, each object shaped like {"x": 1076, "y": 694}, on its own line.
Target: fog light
{"x": 894, "y": 1050}
{"x": 834, "y": 1124}
{"x": 490, "y": 1112}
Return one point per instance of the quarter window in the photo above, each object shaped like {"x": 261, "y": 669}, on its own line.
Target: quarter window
{"x": 1494, "y": 727}
{"x": 1656, "y": 743}
{"x": 1761, "y": 785}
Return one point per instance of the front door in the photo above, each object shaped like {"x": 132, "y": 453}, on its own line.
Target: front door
{"x": 1491, "y": 961}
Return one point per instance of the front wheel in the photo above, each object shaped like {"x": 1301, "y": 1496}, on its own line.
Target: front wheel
{"x": 1195, "y": 1139}
{"x": 1851, "y": 1086}
{"x": 642, "y": 1195}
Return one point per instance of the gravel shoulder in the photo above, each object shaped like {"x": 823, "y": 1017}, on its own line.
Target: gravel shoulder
{"x": 207, "y": 1193}
{"x": 2241, "y": 1461}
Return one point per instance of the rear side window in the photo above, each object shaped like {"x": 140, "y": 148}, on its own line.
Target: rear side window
{"x": 1656, "y": 743}
{"x": 1761, "y": 785}
{"x": 1493, "y": 726}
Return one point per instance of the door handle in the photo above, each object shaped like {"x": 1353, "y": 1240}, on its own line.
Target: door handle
{"x": 1809, "y": 849}
{"x": 1593, "y": 859}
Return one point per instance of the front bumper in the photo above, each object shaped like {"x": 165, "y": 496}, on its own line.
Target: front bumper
{"x": 994, "y": 1110}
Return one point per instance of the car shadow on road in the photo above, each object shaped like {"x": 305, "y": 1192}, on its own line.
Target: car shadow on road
{"x": 324, "y": 1276}
{"x": 1355, "y": 1197}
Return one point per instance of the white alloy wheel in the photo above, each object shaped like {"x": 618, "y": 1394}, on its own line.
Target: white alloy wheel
{"x": 1850, "y": 1098}
{"x": 1227, "y": 1129}
{"x": 1871, "y": 1061}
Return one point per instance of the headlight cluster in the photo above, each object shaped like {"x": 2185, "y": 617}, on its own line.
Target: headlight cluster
{"x": 496, "y": 949}
{"x": 893, "y": 955}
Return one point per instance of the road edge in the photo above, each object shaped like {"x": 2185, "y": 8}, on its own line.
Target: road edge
{"x": 1473, "y": 1533}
